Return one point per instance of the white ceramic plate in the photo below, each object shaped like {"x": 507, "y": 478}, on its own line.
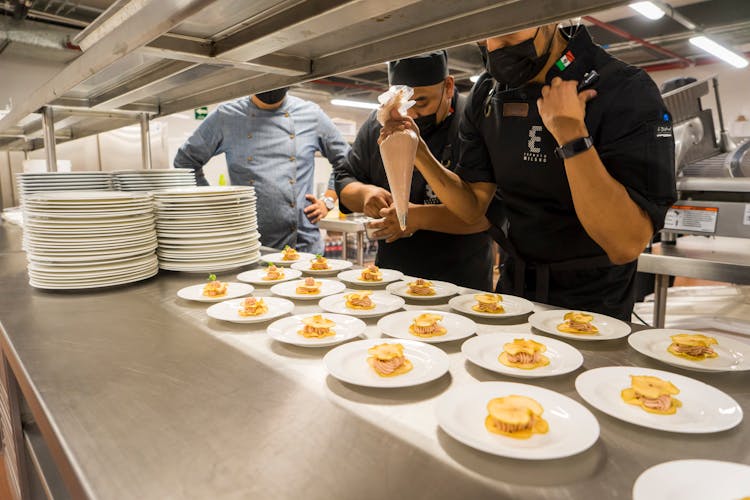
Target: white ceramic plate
{"x": 277, "y": 258}
{"x": 443, "y": 289}
{"x": 352, "y": 276}
{"x": 286, "y": 330}
{"x": 485, "y": 349}
{"x": 397, "y": 325}
{"x": 335, "y": 265}
{"x": 572, "y": 428}
{"x": 256, "y": 276}
{"x": 234, "y": 290}
{"x": 384, "y": 303}
{"x": 348, "y": 363}
{"x": 229, "y": 310}
{"x": 609, "y": 328}
{"x": 693, "y": 480}
{"x": 733, "y": 354}
{"x": 289, "y": 289}
{"x": 704, "y": 408}
{"x": 514, "y": 306}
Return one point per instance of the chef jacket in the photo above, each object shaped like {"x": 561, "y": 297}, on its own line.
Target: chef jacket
{"x": 274, "y": 151}
{"x": 549, "y": 255}
{"x": 465, "y": 260}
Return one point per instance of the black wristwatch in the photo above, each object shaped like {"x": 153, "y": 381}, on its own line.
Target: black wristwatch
{"x": 574, "y": 147}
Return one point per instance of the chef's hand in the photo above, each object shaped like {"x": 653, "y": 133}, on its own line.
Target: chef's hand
{"x": 376, "y": 199}
{"x": 389, "y": 227}
{"x": 316, "y": 210}
{"x": 397, "y": 123}
{"x": 563, "y": 109}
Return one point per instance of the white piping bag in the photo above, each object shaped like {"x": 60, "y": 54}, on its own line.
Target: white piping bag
{"x": 398, "y": 150}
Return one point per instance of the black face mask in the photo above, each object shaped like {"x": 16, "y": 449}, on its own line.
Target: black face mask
{"x": 272, "y": 96}
{"x": 428, "y": 124}
{"x": 515, "y": 65}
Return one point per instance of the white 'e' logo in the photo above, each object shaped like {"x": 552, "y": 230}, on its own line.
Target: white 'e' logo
{"x": 534, "y": 139}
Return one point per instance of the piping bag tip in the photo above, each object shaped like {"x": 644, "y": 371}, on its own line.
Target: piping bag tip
{"x": 402, "y": 221}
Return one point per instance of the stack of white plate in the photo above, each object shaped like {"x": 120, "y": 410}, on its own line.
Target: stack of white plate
{"x": 62, "y": 181}
{"x": 207, "y": 229}
{"x": 152, "y": 180}
{"x": 89, "y": 239}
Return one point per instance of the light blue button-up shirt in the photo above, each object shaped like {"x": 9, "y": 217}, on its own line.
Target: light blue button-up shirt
{"x": 273, "y": 151}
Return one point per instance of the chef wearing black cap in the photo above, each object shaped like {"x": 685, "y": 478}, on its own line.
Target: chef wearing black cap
{"x": 436, "y": 243}
{"x": 585, "y": 174}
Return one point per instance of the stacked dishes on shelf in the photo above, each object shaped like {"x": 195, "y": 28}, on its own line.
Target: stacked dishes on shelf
{"x": 89, "y": 239}
{"x": 207, "y": 229}
{"x": 152, "y": 180}
{"x": 62, "y": 181}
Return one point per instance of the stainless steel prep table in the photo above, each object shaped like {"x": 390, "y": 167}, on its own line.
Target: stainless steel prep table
{"x": 139, "y": 394}
{"x": 352, "y": 224}
{"x": 700, "y": 257}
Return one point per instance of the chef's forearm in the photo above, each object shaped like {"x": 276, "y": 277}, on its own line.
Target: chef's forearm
{"x": 608, "y": 214}
{"x": 440, "y": 218}
{"x": 353, "y": 196}
{"x": 456, "y": 194}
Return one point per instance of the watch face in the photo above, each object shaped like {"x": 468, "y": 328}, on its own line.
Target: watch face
{"x": 329, "y": 203}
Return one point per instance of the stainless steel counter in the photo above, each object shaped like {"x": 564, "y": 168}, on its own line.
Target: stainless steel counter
{"x": 139, "y": 394}
{"x": 718, "y": 259}
{"x": 351, "y": 224}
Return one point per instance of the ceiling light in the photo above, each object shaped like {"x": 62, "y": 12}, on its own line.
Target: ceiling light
{"x": 648, "y": 9}
{"x": 474, "y": 78}
{"x": 719, "y": 51}
{"x": 354, "y": 104}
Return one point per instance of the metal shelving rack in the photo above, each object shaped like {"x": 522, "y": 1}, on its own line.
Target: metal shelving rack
{"x": 142, "y": 59}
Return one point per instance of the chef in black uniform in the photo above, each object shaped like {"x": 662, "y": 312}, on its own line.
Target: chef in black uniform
{"x": 436, "y": 243}
{"x": 579, "y": 147}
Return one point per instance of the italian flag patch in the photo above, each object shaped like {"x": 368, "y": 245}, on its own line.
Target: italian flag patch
{"x": 565, "y": 60}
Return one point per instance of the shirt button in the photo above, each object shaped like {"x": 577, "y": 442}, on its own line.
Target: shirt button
{"x": 286, "y": 115}
{"x": 291, "y": 158}
{"x": 252, "y": 181}
{"x": 291, "y": 136}
{"x": 249, "y": 158}
{"x": 249, "y": 136}
{"x": 292, "y": 181}
{"x": 291, "y": 204}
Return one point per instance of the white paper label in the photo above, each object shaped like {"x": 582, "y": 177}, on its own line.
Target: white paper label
{"x": 696, "y": 219}
{"x": 746, "y": 218}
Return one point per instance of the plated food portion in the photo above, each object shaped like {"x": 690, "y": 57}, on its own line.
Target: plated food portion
{"x": 371, "y": 276}
{"x": 522, "y": 355}
{"x": 579, "y": 325}
{"x": 362, "y": 303}
{"x": 308, "y": 288}
{"x": 693, "y": 350}
{"x": 427, "y": 326}
{"x": 687, "y": 480}
{"x": 517, "y": 420}
{"x": 321, "y": 265}
{"x": 287, "y": 257}
{"x": 388, "y": 360}
{"x": 386, "y": 364}
{"x": 214, "y": 290}
{"x": 491, "y": 305}
{"x": 421, "y": 289}
{"x": 250, "y": 309}
{"x": 646, "y": 397}
{"x": 269, "y": 275}
{"x": 316, "y": 330}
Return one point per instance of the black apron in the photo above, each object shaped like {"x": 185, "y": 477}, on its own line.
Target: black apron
{"x": 561, "y": 265}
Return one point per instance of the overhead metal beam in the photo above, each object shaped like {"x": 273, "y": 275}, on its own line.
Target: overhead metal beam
{"x": 151, "y": 20}
{"x": 201, "y": 53}
{"x": 83, "y": 104}
{"x": 301, "y": 23}
{"x": 450, "y": 24}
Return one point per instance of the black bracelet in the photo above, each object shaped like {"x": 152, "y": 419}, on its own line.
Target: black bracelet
{"x": 574, "y": 147}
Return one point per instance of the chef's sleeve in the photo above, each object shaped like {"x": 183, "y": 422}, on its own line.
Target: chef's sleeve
{"x": 356, "y": 165}
{"x": 636, "y": 146}
{"x": 331, "y": 143}
{"x": 474, "y": 164}
{"x": 207, "y": 141}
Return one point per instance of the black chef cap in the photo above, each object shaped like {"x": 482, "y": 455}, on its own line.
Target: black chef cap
{"x": 419, "y": 71}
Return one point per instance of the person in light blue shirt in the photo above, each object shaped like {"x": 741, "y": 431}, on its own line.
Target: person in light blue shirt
{"x": 270, "y": 140}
